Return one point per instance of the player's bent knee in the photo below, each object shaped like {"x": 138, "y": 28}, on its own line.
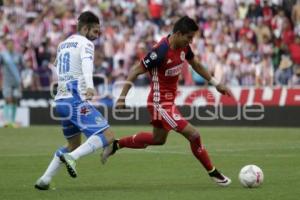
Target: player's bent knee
{"x": 194, "y": 136}
{"x": 109, "y": 136}
{"x": 72, "y": 147}
{"x": 159, "y": 141}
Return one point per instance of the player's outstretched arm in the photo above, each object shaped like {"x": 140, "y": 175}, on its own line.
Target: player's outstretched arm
{"x": 135, "y": 71}
{"x": 204, "y": 73}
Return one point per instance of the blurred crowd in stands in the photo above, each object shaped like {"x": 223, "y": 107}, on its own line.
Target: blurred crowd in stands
{"x": 240, "y": 42}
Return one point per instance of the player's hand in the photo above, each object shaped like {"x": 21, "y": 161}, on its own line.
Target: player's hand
{"x": 120, "y": 104}
{"x": 89, "y": 94}
{"x": 224, "y": 90}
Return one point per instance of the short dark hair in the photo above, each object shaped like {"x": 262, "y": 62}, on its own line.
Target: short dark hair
{"x": 185, "y": 25}
{"x": 87, "y": 18}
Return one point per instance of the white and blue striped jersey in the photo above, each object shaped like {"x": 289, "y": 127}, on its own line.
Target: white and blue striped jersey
{"x": 74, "y": 54}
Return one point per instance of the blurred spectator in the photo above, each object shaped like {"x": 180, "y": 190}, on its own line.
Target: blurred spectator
{"x": 231, "y": 74}
{"x": 156, "y": 11}
{"x": 44, "y": 74}
{"x": 296, "y": 14}
{"x": 295, "y": 51}
{"x": 296, "y": 78}
{"x": 228, "y": 7}
{"x": 11, "y": 62}
{"x": 54, "y": 34}
{"x": 219, "y": 69}
{"x": 247, "y": 72}
{"x": 30, "y": 54}
{"x": 2, "y": 21}
{"x": 277, "y": 22}
{"x": 266, "y": 47}
{"x": 242, "y": 10}
{"x": 93, "y": 6}
{"x": 234, "y": 56}
{"x": 120, "y": 73}
{"x": 43, "y": 53}
{"x": 262, "y": 31}
{"x": 288, "y": 6}
{"x": 284, "y": 73}
{"x": 254, "y": 12}
{"x": 27, "y": 76}
{"x": 264, "y": 71}
{"x": 221, "y": 50}
{"x": 246, "y": 31}
{"x": 209, "y": 58}
{"x": 36, "y": 30}
{"x": 287, "y": 33}
{"x": 267, "y": 12}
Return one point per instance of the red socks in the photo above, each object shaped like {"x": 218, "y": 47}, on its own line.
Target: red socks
{"x": 143, "y": 139}
{"x": 200, "y": 153}
{"x": 138, "y": 141}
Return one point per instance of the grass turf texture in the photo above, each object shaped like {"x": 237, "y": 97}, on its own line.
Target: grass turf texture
{"x": 166, "y": 172}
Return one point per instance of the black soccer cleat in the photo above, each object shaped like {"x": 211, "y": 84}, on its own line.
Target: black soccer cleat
{"x": 41, "y": 185}
{"x": 115, "y": 146}
{"x": 70, "y": 164}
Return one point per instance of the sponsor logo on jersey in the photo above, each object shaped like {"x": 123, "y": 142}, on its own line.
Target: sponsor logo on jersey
{"x": 176, "y": 116}
{"x": 146, "y": 62}
{"x": 85, "y": 111}
{"x": 174, "y": 71}
{"x": 182, "y": 55}
{"x": 153, "y": 56}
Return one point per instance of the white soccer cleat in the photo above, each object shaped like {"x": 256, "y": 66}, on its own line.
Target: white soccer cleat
{"x": 222, "y": 182}
{"x": 219, "y": 178}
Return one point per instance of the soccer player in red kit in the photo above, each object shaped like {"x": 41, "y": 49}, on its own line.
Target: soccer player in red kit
{"x": 164, "y": 63}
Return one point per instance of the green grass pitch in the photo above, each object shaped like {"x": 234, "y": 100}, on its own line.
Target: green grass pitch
{"x": 166, "y": 172}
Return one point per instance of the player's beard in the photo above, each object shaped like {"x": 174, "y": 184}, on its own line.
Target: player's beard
{"x": 89, "y": 37}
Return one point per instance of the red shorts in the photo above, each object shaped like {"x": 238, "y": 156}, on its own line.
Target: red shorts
{"x": 166, "y": 116}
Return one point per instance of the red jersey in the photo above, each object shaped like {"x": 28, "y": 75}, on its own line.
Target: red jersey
{"x": 165, "y": 65}
{"x": 294, "y": 51}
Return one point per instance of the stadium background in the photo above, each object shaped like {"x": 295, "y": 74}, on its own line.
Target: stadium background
{"x": 245, "y": 44}
{"x": 253, "y": 46}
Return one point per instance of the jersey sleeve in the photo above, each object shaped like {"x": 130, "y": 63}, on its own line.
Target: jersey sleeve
{"x": 87, "y": 51}
{"x": 87, "y": 62}
{"x": 156, "y": 56}
{"x": 189, "y": 54}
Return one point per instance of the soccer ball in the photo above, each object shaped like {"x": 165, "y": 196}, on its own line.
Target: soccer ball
{"x": 251, "y": 176}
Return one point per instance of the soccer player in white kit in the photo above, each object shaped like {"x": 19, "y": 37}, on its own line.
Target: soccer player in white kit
{"x": 74, "y": 66}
